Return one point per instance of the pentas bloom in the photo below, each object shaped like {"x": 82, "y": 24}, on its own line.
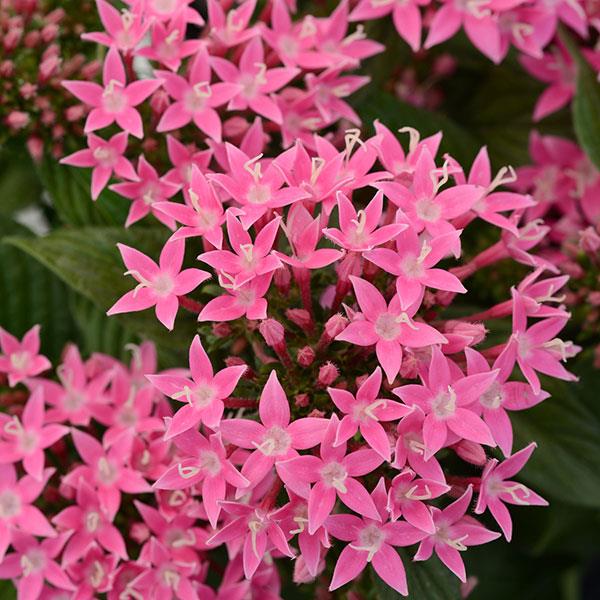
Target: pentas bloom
{"x": 204, "y": 392}
{"x": 115, "y": 100}
{"x": 158, "y": 285}
{"x": 21, "y": 359}
{"x": 496, "y": 489}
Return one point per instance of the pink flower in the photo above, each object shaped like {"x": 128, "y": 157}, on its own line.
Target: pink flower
{"x": 496, "y": 489}
{"x": 407, "y": 496}
{"x": 203, "y": 462}
{"x": 107, "y": 470}
{"x": 389, "y": 327}
{"x": 202, "y": 214}
{"x": 184, "y": 158}
{"x": 17, "y": 514}
{"x": 334, "y": 475}
{"x": 204, "y": 393}
{"x": 123, "y": 29}
{"x": 88, "y": 522}
{"x": 34, "y": 562}
{"x": 248, "y": 258}
{"x": 406, "y": 16}
{"x": 364, "y": 412}
{"x": 159, "y": 285}
{"x": 455, "y": 532}
{"x": 21, "y": 359}
{"x": 106, "y": 158}
{"x": 274, "y": 439}
{"x": 413, "y": 261}
{"x": 535, "y": 348}
{"x": 115, "y": 100}
{"x": 256, "y": 192}
{"x": 259, "y": 531}
{"x": 25, "y": 439}
{"x": 372, "y": 541}
{"x": 230, "y": 28}
{"x": 446, "y": 399}
{"x": 244, "y": 300}
{"x": 147, "y": 190}
{"x": 360, "y": 231}
{"x": 195, "y": 98}
{"x": 95, "y": 573}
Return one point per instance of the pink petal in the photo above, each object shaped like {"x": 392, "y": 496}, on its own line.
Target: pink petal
{"x": 349, "y": 565}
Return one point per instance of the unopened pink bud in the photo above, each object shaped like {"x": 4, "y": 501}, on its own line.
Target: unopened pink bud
{"x": 139, "y": 532}
{"x": 49, "y": 33}
{"x": 301, "y": 572}
{"x": 221, "y": 330}
{"x": 471, "y": 452}
{"x": 594, "y": 298}
{"x": 316, "y": 413}
{"x": 7, "y": 68}
{"x": 301, "y": 400}
{"x": 159, "y": 101}
{"x": 12, "y": 38}
{"x": 17, "y": 119}
{"x": 444, "y": 65}
{"x": 328, "y": 373}
{"x": 468, "y": 586}
{"x": 32, "y": 39}
{"x": 35, "y": 147}
{"x": 235, "y": 127}
{"x": 335, "y": 325}
{"x": 91, "y": 69}
{"x": 589, "y": 240}
{"x": 55, "y": 17}
{"x": 300, "y": 317}
{"x": 306, "y": 356}
{"x": 282, "y": 278}
{"x": 27, "y": 90}
{"x": 48, "y": 67}
{"x": 75, "y": 113}
{"x": 273, "y": 332}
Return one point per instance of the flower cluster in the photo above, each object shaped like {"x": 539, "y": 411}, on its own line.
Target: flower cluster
{"x": 39, "y": 47}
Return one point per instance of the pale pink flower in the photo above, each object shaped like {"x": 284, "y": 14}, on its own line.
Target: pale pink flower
{"x": 106, "y": 158}
{"x": 145, "y": 192}
{"x": 115, "y": 100}
{"x": 388, "y": 327}
{"x": 275, "y": 438}
{"x": 230, "y": 28}
{"x": 25, "y": 439}
{"x": 21, "y": 359}
{"x": 195, "y": 98}
{"x": 17, "y": 514}
{"x": 334, "y": 476}
{"x": 94, "y": 574}
{"x": 184, "y": 158}
{"x": 158, "y": 285}
{"x": 496, "y": 489}
{"x": 259, "y": 531}
{"x": 455, "y": 532}
{"x": 87, "y": 521}
{"x": 365, "y": 411}
{"x": 34, "y": 562}
{"x": 203, "y": 462}
{"x": 254, "y": 80}
{"x": 203, "y": 393}
{"x": 372, "y": 541}
{"x": 446, "y": 400}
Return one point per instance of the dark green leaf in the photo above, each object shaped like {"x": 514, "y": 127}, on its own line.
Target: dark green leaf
{"x": 7, "y": 590}
{"x": 69, "y": 190}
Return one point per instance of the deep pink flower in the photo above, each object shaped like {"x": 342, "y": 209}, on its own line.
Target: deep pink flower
{"x": 496, "y": 489}
{"x": 364, "y": 412}
{"x": 454, "y": 533}
{"x": 115, "y": 100}
{"x": 372, "y": 541}
{"x": 21, "y": 359}
{"x": 231, "y": 28}
{"x": 275, "y": 438}
{"x": 389, "y": 327}
{"x": 334, "y": 475}
{"x": 26, "y": 438}
{"x": 159, "y": 285}
{"x": 204, "y": 392}
{"x": 105, "y": 158}
{"x": 195, "y": 98}
{"x": 446, "y": 400}
{"x": 203, "y": 461}
{"x": 184, "y": 158}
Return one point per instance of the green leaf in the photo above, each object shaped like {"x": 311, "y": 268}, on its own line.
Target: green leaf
{"x": 566, "y": 464}
{"x": 69, "y": 190}
{"x": 88, "y": 261}
{"x": 31, "y": 294}
{"x": 586, "y": 103}
{"x": 427, "y": 580}
{"x": 7, "y": 590}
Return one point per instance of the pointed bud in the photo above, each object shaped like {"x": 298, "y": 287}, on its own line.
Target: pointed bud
{"x": 328, "y": 373}
{"x": 301, "y": 400}
{"x": 221, "y": 330}
{"x": 139, "y": 532}
{"x": 300, "y": 317}
{"x": 471, "y": 452}
{"x": 282, "y": 278}
{"x": 273, "y": 332}
{"x": 335, "y": 325}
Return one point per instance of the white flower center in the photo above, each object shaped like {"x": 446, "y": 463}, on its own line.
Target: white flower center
{"x": 276, "y": 441}
{"x": 334, "y": 475}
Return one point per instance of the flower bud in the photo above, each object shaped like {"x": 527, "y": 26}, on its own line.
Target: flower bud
{"x": 300, "y": 317}
{"x": 282, "y": 278}
{"x": 159, "y": 101}
{"x": 335, "y": 325}
{"x": 35, "y": 147}
{"x": 589, "y": 240}
{"x": 328, "y": 373}
{"x": 17, "y": 119}
{"x": 49, "y": 33}
{"x": 273, "y": 332}
{"x": 471, "y": 452}
{"x": 139, "y": 532}
{"x": 306, "y": 356}
{"x": 221, "y": 330}
{"x": 301, "y": 572}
